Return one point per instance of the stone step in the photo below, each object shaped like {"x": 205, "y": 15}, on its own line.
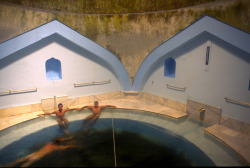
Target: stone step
{"x": 238, "y": 141}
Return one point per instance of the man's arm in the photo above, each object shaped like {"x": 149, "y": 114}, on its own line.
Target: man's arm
{"x": 47, "y": 113}
{"x": 108, "y": 106}
{"x": 71, "y": 109}
{"x": 65, "y": 139}
{"x": 67, "y": 146}
{"x": 85, "y": 107}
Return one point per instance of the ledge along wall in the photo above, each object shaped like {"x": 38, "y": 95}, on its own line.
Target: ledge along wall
{"x": 200, "y": 74}
{"x": 228, "y": 66}
{"x": 26, "y": 69}
{"x": 226, "y": 75}
{"x": 198, "y": 85}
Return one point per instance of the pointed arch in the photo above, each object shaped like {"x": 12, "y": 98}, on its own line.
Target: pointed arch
{"x": 54, "y": 29}
{"x": 206, "y": 27}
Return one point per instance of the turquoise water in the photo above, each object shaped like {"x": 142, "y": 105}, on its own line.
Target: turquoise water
{"x": 185, "y": 136}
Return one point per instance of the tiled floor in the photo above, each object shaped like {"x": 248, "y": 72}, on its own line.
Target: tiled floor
{"x": 6, "y": 122}
{"x": 239, "y": 142}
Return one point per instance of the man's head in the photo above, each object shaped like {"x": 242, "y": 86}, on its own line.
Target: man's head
{"x": 60, "y": 106}
{"x": 96, "y": 103}
{"x": 56, "y": 140}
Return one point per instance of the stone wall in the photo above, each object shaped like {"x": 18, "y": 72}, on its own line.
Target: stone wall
{"x": 131, "y": 37}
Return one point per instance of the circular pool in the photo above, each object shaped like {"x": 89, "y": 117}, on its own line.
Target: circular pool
{"x": 120, "y": 137}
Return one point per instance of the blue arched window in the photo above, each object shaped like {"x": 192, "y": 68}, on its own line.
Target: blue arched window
{"x": 53, "y": 69}
{"x": 169, "y": 68}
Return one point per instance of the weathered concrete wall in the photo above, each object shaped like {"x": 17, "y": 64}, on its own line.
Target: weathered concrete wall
{"x": 131, "y": 37}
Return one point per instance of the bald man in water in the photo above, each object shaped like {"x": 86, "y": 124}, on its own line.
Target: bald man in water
{"x": 50, "y": 147}
{"x": 96, "y": 109}
{"x": 60, "y": 115}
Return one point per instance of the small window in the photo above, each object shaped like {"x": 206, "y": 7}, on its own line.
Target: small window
{"x": 207, "y": 55}
{"x": 169, "y": 69}
{"x": 53, "y": 69}
{"x": 249, "y": 85}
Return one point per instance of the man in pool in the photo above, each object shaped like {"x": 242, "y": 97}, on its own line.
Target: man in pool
{"x": 96, "y": 109}
{"x": 50, "y": 147}
{"x": 60, "y": 115}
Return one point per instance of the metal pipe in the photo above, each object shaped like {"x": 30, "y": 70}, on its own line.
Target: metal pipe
{"x": 169, "y": 86}
{"x": 25, "y": 90}
{"x": 82, "y": 84}
{"x": 5, "y": 92}
{"x": 236, "y": 101}
{"x": 108, "y": 81}
{"x": 18, "y": 91}
{"x": 201, "y": 110}
{"x": 92, "y": 83}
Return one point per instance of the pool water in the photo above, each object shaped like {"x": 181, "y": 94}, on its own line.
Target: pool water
{"x": 95, "y": 148}
{"x": 141, "y": 138}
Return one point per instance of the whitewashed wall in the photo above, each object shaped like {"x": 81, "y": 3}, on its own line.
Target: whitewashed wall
{"x": 26, "y": 70}
{"x": 227, "y": 75}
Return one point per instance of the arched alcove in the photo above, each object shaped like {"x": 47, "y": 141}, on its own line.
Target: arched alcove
{"x": 53, "y": 69}
{"x": 169, "y": 67}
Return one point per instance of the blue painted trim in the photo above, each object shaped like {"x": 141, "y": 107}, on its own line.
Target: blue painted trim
{"x": 187, "y": 28}
{"x": 227, "y": 33}
{"x": 56, "y": 27}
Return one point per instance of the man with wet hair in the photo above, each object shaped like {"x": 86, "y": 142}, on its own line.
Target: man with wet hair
{"x": 96, "y": 109}
{"x": 60, "y": 115}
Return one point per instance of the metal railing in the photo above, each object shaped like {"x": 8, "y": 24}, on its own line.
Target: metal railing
{"x": 18, "y": 91}
{"x": 176, "y": 88}
{"x": 92, "y": 83}
{"x": 235, "y": 101}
